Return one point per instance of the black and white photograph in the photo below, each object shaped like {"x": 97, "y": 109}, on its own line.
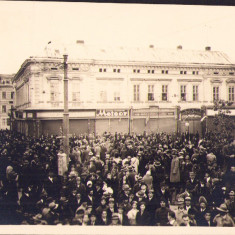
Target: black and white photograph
{"x": 117, "y": 114}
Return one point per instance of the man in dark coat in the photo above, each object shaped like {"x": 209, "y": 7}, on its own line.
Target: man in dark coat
{"x": 122, "y": 217}
{"x": 161, "y": 214}
{"x": 52, "y": 185}
{"x": 151, "y": 205}
{"x": 143, "y": 217}
{"x": 207, "y": 221}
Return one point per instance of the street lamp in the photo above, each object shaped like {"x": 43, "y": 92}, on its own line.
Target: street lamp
{"x": 66, "y": 110}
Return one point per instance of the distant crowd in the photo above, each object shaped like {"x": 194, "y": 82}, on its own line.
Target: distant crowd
{"x": 118, "y": 179}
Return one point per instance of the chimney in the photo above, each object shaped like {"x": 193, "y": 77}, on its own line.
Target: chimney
{"x": 179, "y": 47}
{"x": 151, "y": 46}
{"x": 80, "y": 41}
{"x": 208, "y": 48}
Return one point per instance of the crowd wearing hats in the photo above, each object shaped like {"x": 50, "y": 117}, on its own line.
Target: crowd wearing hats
{"x": 118, "y": 179}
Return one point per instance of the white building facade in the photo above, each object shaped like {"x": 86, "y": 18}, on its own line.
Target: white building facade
{"x": 122, "y": 89}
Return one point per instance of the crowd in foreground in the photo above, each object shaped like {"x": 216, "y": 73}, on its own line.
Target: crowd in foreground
{"x": 118, "y": 179}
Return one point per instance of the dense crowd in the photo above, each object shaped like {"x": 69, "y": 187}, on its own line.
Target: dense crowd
{"x": 118, "y": 179}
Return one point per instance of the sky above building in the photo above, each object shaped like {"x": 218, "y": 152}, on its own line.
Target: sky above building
{"x": 27, "y": 27}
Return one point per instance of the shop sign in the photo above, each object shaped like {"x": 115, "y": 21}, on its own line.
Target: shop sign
{"x": 111, "y": 113}
{"x": 191, "y": 114}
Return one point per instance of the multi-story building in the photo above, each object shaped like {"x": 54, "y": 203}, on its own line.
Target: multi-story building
{"x": 122, "y": 89}
{"x": 6, "y": 100}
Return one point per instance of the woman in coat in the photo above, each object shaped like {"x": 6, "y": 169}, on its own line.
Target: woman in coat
{"x": 175, "y": 176}
{"x": 175, "y": 170}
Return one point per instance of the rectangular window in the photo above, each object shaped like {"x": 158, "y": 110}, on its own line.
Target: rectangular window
{"x": 164, "y": 71}
{"x": 134, "y": 70}
{"x": 183, "y": 93}
{"x": 76, "y": 92}
{"x": 149, "y": 71}
{"x": 4, "y": 109}
{"x": 195, "y": 93}
{"x": 12, "y": 95}
{"x": 103, "y": 96}
{"x": 4, "y": 95}
{"x": 138, "y": 71}
{"x": 119, "y": 70}
{"x": 100, "y": 70}
{"x": 54, "y": 90}
{"x": 152, "y": 71}
{"x": 150, "y": 92}
{"x": 164, "y": 92}
{"x": 136, "y": 92}
{"x": 114, "y": 70}
{"x": 193, "y": 72}
{"x": 4, "y": 122}
{"x": 215, "y": 93}
{"x": 116, "y": 96}
{"x": 185, "y": 72}
{"x": 181, "y": 72}
{"x": 231, "y": 93}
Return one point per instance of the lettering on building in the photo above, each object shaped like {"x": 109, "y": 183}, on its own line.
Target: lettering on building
{"x": 111, "y": 113}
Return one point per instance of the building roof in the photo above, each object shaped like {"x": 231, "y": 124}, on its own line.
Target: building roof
{"x": 151, "y": 55}
{"x": 147, "y": 55}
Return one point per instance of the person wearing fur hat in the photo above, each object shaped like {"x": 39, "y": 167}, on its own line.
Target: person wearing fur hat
{"x": 223, "y": 219}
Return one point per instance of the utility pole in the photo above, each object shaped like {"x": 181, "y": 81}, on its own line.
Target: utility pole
{"x": 66, "y": 110}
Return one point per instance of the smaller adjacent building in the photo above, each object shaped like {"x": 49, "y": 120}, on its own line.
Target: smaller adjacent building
{"x": 6, "y": 100}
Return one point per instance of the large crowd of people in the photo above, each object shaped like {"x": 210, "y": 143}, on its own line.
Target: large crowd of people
{"x": 118, "y": 179}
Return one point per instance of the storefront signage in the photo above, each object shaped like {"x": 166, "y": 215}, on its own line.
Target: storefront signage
{"x": 191, "y": 114}
{"x": 111, "y": 113}
{"x": 151, "y": 113}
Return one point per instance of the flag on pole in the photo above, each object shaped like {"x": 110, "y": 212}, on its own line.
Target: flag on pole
{"x": 147, "y": 120}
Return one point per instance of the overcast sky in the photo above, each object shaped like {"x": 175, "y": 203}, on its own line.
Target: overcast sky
{"x": 27, "y": 27}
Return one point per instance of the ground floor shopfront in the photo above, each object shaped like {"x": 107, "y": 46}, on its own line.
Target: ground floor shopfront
{"x": 98, "y": 121}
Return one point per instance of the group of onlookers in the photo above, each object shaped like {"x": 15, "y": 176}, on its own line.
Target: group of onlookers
{"x": 118, "y": 179}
